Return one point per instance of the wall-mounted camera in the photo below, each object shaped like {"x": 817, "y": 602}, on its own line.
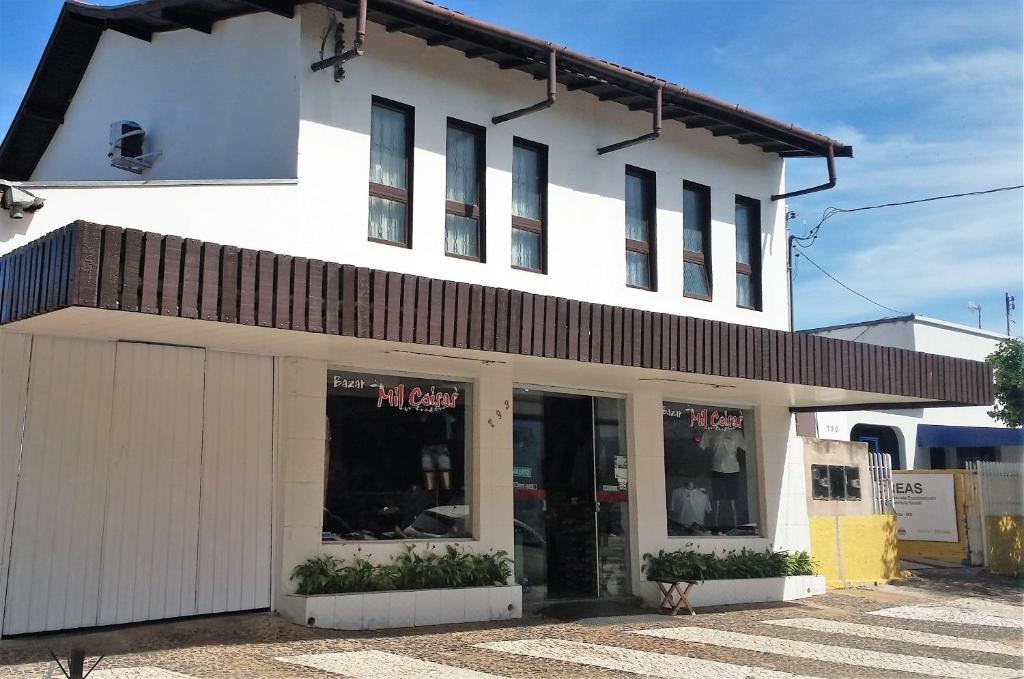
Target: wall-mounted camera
{"x": 18, "y": 201}
{"x": 127, "y": 139}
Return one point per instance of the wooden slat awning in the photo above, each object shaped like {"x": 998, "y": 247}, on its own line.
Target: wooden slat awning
{"x": 127, "y": 270}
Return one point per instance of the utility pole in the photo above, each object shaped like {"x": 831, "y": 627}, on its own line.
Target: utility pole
{"x": 975, "y": 308}
{"x": 1010, "y": 306}
{"x": 789, "y": 263}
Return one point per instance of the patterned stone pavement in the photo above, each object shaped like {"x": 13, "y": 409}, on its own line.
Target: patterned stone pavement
{"x": 910, "y": 630}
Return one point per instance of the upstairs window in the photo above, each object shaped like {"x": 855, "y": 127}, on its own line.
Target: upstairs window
{"x": 529, "y": 205}
{"x": 464, "y": 213}
{"x": 640, "y": 227}
{"x": 696, "y": 241}
{"x": 748, "y": 253}
{"x": 391, "y": 127}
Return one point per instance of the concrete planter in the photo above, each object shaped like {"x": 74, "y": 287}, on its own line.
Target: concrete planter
{"x": 743, "y": 591}
{"x": 406, "y": 608}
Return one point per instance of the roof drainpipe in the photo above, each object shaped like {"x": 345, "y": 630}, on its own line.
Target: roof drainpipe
{"x": 357, "y": 49}
{"x": 547, "y": 103}
{"x": 830, "y": 156}
{"x": 654, "y": 134}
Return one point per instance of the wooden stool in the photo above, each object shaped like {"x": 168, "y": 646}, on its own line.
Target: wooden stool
{"x": 673, "y": 588}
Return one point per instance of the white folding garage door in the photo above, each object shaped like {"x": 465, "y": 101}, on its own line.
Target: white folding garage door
{"x": 145, "y": 485}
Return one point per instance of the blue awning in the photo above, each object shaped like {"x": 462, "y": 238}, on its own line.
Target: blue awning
{"x": 940, "y": 436}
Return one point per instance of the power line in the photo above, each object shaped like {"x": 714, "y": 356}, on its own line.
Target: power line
{"x": 829, "y": 212}
{"x": 861, "y": 295}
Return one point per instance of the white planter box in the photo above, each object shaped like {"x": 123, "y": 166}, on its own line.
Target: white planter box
{"x": 743, "y": 591}
{"x": 408, "y": 608}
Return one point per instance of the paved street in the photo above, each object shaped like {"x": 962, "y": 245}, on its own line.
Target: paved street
{"x": 939, "y": 624}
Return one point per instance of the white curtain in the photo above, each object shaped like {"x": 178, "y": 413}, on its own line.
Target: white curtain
{"x": 695, "y": 279}
{"x": 637, "y": 271}
{"x": 694, "y": 211}
{"x": 462, "y": 169}
{"x": 387, "y": 219}
{"x": 744, "y": 290}
{"x": 636, "y": 212}
{"x": 461, "y": 237}
{"x": 745, "y": 224}
{"x": 526, "y": 183}
{"x": 525, "y": 249}
{"x": 388, "y": 147}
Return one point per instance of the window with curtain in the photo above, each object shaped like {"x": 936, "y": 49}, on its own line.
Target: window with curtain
{"x": 696, "y": 241}
{"x": 463, "y": 223}
{"x": 748, "y": 253}
{"x": 529, "y": 205}
{"x": 640, "y": 228}
{"x": 390, "y": 172}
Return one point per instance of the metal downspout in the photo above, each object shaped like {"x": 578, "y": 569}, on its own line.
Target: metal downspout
{"x": 540, "y": 106}
{"x": 830, "y": 157}
{"x": 358, "y": 48}
{"x": 654, "y": 134}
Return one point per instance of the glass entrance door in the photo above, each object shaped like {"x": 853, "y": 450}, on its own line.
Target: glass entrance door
{"x": 570, "y": 495}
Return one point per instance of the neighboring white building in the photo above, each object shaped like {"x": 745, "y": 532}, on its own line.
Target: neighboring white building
{"x": 924, "y": 438}
{"x": 340, "y": 314}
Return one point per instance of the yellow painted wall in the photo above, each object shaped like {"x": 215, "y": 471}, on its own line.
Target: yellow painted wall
{"x": 1006, "y": 545}
{"x": 951, "y": 552}
{"x": 855, "y": 550}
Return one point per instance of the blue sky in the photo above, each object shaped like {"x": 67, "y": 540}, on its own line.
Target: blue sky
{"x": 930, "y": 94}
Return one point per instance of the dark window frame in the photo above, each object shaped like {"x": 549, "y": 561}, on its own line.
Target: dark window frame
{"x": 540, "y": 226}
{"x": 478, "y": 211}
{"x": 753, "y": 270}
{"x": 389, "y": 192}
{"x": 703, "y": 258}
{"x": 650, "y": 208}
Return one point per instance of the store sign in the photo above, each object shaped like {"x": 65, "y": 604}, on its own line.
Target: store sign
{"x": 925, "y": 507}
{"x": 406, "y": 395}
{"x": 706, "y": 418}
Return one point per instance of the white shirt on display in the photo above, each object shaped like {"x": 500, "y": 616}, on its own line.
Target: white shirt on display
{"x": 724, "y": 446}
{"x": 690, "y": 505}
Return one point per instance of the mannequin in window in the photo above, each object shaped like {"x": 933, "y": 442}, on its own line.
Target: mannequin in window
{"x": 690, "y": 506}
{"x": 436, "y": 462}
{"x": 725, "y": 468}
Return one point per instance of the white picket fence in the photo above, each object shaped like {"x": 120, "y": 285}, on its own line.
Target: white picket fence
{"x": 998, "y": 491}
{"x": 880, "y": 466}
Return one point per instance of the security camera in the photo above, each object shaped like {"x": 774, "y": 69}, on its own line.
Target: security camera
{"x": 18, "y": 201}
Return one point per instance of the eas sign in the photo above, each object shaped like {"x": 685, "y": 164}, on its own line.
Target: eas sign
{"x": 925, "y": 507}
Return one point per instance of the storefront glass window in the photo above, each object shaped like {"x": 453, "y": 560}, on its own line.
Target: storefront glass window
{"x": 396, "y": 458}
{"x": 710, "y": 470}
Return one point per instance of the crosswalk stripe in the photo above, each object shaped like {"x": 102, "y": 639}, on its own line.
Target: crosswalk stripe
{"x": 834, "y": 654}
{"x": 374, "y": 664}
{"x": 662, "y": 665}
{"x": 142, "y": 672}
{"x": 950, "y": 614}
{"x": 894, "y": 634}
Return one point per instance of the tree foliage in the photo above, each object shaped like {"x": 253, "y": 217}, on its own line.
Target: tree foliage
{"x": 1007, "y": 363}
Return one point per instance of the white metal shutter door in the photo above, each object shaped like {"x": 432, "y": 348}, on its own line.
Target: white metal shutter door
{"x": 151, "y": 538}
{"x": 237, "y": 483}
{"x": 53, "y": 581}
{"x": 14, "y": 357}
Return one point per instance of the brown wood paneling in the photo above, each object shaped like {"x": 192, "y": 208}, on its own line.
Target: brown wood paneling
{"x": 502, "y": 330}
{"x": 170, "y": 273}
{"x": 436, "y": 308}
{"x": 378, "y": 303}
{"x": 151, "y": 251}
{"x": 647, "y": 339}
{"x": 448, "y": 314}
{"x": 110, "y": 269}
{"x": 462, "y": 315}
{"x": 585, "y": 332}
{"x": 130, "y": 284}
{"x": 422, "y": 310}
{"x": 539, "y": 320}
{"x": 334, "y": 300}
{"x": 550, "y": 323}
{"x": 627, "y": 337}
{"x": 300, "y": 298}
{"x": 209, "y": 282}
{"x": 363, "y": 301}
{"x": 409, "y": 299}
{"x": 474, "y": 335}
{"x": 228, "y": 284}
{"x": 572, "y": 337}
{"x": 264, "y": 289}
{"x": 515, "y": 321}
{"x": 393, "y": 308}
{"x": 561, "y": 327}
{"x": 349, "y": 304}
{"x": 190, "y": 275}
{"x": 488, "y": 300}
{"x": 315, "y": 296}
{"x": 282, "y": 291}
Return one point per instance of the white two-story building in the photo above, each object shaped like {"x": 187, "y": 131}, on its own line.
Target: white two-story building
{"x": 268, "y": 311}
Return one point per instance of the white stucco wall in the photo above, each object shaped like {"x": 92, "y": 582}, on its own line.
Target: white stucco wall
{"x": 219, "y": 106}
{"x": 321, "y": 211}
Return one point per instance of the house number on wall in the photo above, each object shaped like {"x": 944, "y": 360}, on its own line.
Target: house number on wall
{"x": 497, "y": 413}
